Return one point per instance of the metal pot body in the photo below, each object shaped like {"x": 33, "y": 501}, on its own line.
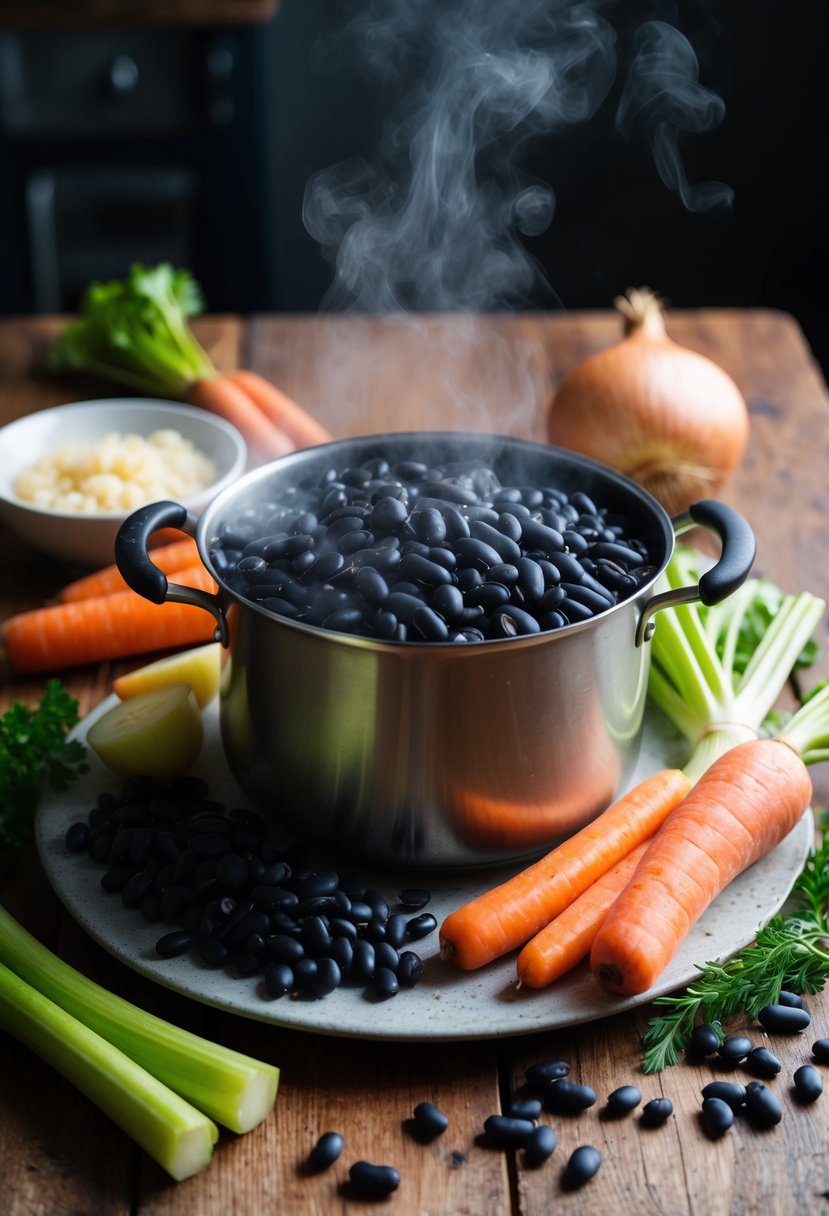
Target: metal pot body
{"x": 432, "y": 755}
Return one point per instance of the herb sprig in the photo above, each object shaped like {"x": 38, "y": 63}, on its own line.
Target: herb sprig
{"x": 790, "y": 952}
{"x": 34, "y": 753}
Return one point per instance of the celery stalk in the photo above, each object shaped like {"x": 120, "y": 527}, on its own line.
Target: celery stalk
{"x": 234, "y": 1089}
{"x": 179, "y": 1137}
{"x": 695, "y": 678}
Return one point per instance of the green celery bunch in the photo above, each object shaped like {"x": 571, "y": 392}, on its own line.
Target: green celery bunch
{"x": 167, "y": 1085}
{"x": 135, "y": 331}
{"x": 717, "y": 672}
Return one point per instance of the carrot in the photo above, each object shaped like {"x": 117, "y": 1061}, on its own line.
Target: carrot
{"x": 567, "y": 939}
{"x": 223, "y": 396}
{"x": 509, "y": 915}
{"x": 106, "y": 627}
{"x": 741, "y": 807}
{"x": 169, "y": 558}
{"x": 294, "y": 421}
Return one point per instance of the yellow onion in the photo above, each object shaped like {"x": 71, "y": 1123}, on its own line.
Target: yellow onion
{"x": 666, "y": 416}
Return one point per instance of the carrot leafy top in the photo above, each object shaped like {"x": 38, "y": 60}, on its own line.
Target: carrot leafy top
{"x": 135, "y": 331}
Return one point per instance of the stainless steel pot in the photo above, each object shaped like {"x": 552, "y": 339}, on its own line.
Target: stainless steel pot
{"x": 435, "y": 755}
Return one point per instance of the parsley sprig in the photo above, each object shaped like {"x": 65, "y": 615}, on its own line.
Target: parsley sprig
{"x": 35, "y": 753}
{"x": 790, "y": 952}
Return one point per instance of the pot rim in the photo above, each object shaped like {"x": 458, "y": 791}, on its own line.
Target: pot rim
{"x": 316, "y": 456}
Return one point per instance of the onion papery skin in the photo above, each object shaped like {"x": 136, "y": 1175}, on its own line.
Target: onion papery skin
{"x": 665, "y": 416}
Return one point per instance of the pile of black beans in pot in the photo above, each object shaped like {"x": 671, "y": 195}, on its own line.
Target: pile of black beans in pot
{"x": 414, "y": 553}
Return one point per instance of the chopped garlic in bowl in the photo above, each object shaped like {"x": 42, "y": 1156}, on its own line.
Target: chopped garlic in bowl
{"x": 115, "y": 473}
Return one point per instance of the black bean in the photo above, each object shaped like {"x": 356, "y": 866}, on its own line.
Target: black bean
{"x": 657, "y": 1111}
{"x": 279, "y": 980}
{"x": 209, "y": 844}
{"x": 385, "y": 983}
{"x": 476, "y": 553}
{"x": 513, "y": 621}
{"x": 421, "y": 926}
{"x": 761, "y": 1063}
{"x": 717, "y": 1116}
{"x": 375, "y": 930}
{"x": 525, "y": 1108}
{"x": 539, "y": 1075}
{"x": 326, "y": 978}
{"x": 567, "y": 1097}
{"x": 326, "y": 1150}
{"x": 171, "y": 945}
{"x": 530, "y": 579}
{"x": 363, "y": 961}
{"x": 396, "y": 926}
{"x": 726, "y": 1091}
{"x": 510, "y": 524}
{"x": 429, "y": 1121}
{"x": 583, "y": 1165}
{"x": 540, "y": 1144}
{"x": 540, "y": 537}
{"x": 315, "y": 936}
{"x": 385, "y": 955}
{"x": 808, "y": 1083}
{"x": 428, "y": 625}
{"x": 409, "y": 968}
{"x": 622, "y": 1101}
{"x": 212, "y": 951}
{"x": 586, "y": 596}
{"x": 368, "y": 1179}
{"x": 734, "y": 1048}
{"x": 77, "y": 837}
{"x": 134, "y": 891}
{"x": 569, "y": 568}
{"x": 372, "y": 586}
{"x": 761, "y": 1105}
{"x": 429, "y": 525}
{"x": 783, "y": 1019}
{"x": 507, "y": 549}
{"x": 790, "y": 998}
{"x": 617, "y": 553}
{"x": 820, "y": 1050}
{"x": 575, "y": 611}
{"x": 116, "y": 878}
{"x": 487, "y": 596}
{"x": 306, "y": 971}
{"x": 423, "y": 570}
{"x": 285, "y": 949}
{"x": 704, "y": 1040}
{"x": 414, "y": 897}
{"x": 506, "y": 1132}
{"x": 387, "y": 514}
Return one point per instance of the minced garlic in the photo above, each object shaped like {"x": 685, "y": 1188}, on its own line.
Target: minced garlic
{"x": 115, "y": 473}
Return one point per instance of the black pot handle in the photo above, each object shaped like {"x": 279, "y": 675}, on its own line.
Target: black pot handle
{"x": 143, "y": 576}
{"x": 739, "y": 548}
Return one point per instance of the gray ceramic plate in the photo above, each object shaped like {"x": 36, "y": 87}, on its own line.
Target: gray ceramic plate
{"x": 447, "y": 1003}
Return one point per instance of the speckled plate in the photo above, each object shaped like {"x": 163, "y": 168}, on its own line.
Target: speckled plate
{"x": 447, "y": 1003}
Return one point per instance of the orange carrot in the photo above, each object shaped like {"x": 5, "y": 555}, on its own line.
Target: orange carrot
{"x": 294, "y": 421}
{"x": 223, "y": 396}
{"x": 741, "y": 807}
{"x": 106, "y": 627}
{"x": 169, "y": 558}
{"x": 509, "y": 915}
{"x": 559, "y": 946}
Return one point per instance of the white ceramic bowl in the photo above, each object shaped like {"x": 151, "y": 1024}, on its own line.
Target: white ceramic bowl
{"x": 89, "y": 539}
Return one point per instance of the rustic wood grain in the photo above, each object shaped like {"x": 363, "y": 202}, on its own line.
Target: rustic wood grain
{"x": 360, "y": 375}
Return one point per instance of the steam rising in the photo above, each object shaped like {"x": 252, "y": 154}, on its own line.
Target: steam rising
{"x": 434, "y": 223}
{"x": 662, "y": 99}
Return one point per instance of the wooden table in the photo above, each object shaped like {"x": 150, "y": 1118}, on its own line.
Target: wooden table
{"x": 58, "y": 1154}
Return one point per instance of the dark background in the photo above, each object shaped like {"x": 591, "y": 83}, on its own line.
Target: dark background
{"x": 201, "y": 155}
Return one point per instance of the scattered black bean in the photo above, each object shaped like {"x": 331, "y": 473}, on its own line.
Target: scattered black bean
{"x": 761, "y": 1105}
{"x": 734, "y": 1049}
{"x": 717, "y": 1116}
{"x": 790, "y": 998}
{"x": 386, "y": 983}
{"x": 657, "y": 1111}
{"x": 429, "y": 1121}
{"x": 583, "y": 1165}
{"x": 525, "y": 1108}
{"x": 725, "y": 1091}
{"x": 326, "y": 1150}
{"x": 820, "y": 1050}
{"x": 421, "y": 926}
{"x": 368, "y": 1179}
{"x": 540, "y": 1144}
{"x": 784, "y": 1019}
{"x": 409, "y": 968}
{"x": 761, "y": 1063}
{"x": 808, "y": 1083}
{"x": 704, "y": 1040}
{"x": 414, "y": 897}
{"x": 565, "y": 1097}
{"x": 279, "y": 980}
{"x": 504, "y": 1131}
{"x": 77, "y": 837}
{"x": 622, "y": 1101}
{"x": 171, "y": 945}
{"x": 539, "y": 1075}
